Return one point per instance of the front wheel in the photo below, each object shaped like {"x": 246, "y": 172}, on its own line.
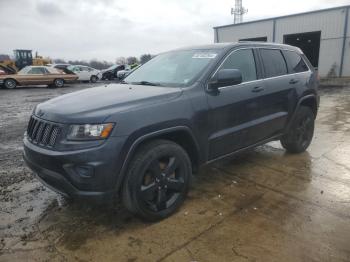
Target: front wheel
{"x": 157, "y": 180}
{"x": 301, "y": 131}
{"x": 10, "y": 83}
{"x": 93, "y": 79}
{"x": 58, "y": 83}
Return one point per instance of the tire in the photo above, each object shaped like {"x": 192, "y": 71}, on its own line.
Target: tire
{"x": 93, "y": 79}
{"x": 10, "y": 84}
{"x": 301, "y": 131}
{"x": 157, "y": 180}
{"x": 58, "y": 83}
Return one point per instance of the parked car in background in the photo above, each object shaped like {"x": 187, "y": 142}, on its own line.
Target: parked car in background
{"x": 127, "y": 71}
{"x": 62, "y": 67}
{"x": 37, "y": 75}
{"x": 111, "y": 72}
{"x": 85, "y": 73}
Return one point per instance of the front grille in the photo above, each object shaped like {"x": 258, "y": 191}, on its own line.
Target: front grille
{"x": 42, "y": 133}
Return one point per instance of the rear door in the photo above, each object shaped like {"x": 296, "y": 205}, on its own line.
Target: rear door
{"x": 274, "y": 102}
{"x": 232, "y": 108}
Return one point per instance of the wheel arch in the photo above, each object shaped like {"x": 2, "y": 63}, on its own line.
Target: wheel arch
{"x": 309, "y": 101}
{"x": 11, "y": 78}
{"x": 181, "y": 135}
{"x": 56, "y": 78}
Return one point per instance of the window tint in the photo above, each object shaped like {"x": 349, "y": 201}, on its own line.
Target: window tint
{"x": 274, "y": 64}
{"x": 244, "y": 61}
{"x": 295, "y": 63}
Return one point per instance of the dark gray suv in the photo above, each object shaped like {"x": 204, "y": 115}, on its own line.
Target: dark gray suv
{"x": 142, "y": 139}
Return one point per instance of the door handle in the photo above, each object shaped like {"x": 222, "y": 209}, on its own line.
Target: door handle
{"x": 257, "y": 89}
{"x": 293, "y": 81}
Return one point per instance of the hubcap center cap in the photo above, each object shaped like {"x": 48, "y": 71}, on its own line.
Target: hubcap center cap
{"x": 162, "y": 181}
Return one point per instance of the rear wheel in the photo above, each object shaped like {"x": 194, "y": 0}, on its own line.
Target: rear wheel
{"x": 10, "y": 83}
{"x": 58, "y": 83}
{"x": 93, "y": 79}
{"x": 300, "y": 135}
{"x": 157, "y": 180}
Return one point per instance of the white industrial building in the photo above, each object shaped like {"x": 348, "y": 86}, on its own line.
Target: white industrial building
{"x": 323, "y": 35}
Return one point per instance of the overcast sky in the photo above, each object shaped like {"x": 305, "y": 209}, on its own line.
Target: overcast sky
{"x": 107, "y": 29}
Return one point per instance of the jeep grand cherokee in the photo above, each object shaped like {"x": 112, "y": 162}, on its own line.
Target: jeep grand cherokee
{"x": 141, "y": 139}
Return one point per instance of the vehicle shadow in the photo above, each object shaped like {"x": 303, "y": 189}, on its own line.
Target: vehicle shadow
{"x": 74, "y": 222}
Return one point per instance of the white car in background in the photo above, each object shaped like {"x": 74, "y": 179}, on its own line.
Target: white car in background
{"x": 85, "y": 73}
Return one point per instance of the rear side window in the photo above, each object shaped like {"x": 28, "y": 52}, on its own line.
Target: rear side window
{"x": 295, "y": 62}
{"x": 274, "y": 64}
{"x": 244, "y": 61}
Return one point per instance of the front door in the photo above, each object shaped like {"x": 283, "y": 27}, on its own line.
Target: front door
{"x": 232, "y": 109}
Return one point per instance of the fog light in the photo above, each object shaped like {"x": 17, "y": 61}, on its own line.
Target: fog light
{"x": 84, "y": 171}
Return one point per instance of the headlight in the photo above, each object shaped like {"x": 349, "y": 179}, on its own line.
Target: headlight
{"x": 89, "y": 132}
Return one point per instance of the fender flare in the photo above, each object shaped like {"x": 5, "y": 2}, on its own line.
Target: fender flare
{"x": 313, "y": 96}
{"x": 141, "y": 139}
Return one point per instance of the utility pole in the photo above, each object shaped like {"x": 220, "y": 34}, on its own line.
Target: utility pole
{"x": 238, "y": 11}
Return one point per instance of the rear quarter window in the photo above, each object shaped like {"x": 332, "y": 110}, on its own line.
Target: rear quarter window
{"x": 274, "y": 63}
{"x": 295, "y": 62}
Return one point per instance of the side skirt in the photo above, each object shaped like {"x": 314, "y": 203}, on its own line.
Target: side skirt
{"x": 276, "y": 137}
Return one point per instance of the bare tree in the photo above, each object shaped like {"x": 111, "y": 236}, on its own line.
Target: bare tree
{"x": 59, "y": 61}
{"x": 145, "y": 57}
{"x": 131, "y": 60}
{"x": 93, "y": 63}
{"x": 121, "y": 60}
{"x": 4, "y": 57}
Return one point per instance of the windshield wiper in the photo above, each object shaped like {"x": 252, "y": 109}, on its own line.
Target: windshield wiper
{"x": 146, "y": 83}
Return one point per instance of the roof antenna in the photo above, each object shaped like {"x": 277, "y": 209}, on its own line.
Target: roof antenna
{"x": 238, "y": 11}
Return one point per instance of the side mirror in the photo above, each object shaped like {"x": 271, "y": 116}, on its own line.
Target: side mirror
{"x": 225, "y": 77}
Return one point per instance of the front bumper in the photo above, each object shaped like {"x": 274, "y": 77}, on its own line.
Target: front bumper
{"x": 84, "y": 174}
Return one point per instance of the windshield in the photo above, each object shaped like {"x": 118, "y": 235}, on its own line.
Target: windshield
{"x": 24, "y": 70}
{"x": 176, "y": 68}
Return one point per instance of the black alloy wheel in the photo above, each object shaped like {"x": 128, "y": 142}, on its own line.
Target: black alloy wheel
{"x": 157, "y": 181}
{"x": 301, "y": 132}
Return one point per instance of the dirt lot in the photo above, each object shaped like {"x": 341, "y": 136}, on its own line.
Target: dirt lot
{"x": 263, "y": 206}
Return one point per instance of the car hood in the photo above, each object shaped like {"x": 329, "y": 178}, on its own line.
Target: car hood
{"x": 94, "y": 105}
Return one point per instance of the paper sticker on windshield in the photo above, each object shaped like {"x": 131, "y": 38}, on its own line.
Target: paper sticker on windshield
{"x": 204, "y": 55}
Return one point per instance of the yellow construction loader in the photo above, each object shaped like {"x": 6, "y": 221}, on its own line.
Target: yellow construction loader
{"x": 22, "y": 59}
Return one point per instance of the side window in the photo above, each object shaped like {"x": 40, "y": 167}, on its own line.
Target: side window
{"x": 274, "y": 64}
{"x": 295, "y": 62}
{"x": 35, "y": 70}
{"x": 45, "y": 71}
{"x": 244, "y": 61}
